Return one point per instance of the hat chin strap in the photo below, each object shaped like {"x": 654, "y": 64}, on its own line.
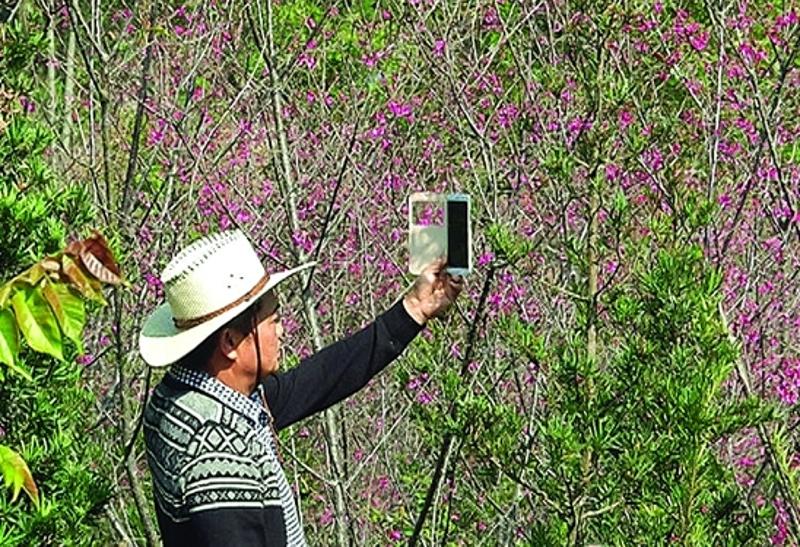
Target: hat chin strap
{"x": 262, "y": 394}
{"x": 254, "y": 321}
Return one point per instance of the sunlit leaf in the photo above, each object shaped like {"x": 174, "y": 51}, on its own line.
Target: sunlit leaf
{"x": 16, "y": 474}
{"x": 37, "y": 322}
{"x": 5, "y": 292}
{"x": 68, "y": 309}
{"x": 9, "y": 343}
{"x": 33, "y": 275}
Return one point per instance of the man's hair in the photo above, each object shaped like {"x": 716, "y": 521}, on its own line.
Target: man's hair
{"x": 197, "y": 359}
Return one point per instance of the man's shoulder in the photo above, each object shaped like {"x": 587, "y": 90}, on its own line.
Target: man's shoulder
{"x": 193, "y": 421}
{"x": 176, "y": 414}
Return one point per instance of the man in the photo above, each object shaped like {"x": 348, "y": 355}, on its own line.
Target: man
{"x": 210, "y": 424}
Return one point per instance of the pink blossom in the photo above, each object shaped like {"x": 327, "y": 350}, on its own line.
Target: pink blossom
{"x": 625, "y": 119}
{"x": 507, "y": 115}
{"x": 490, "y": 19}
{"x": 157, "y": 133}
{"x": 613, "y": 172}
{"x": 401, "y": 110}
{"x": 781, "y": 522}
{"x": 699, "y": 41}
{"x": 28, "y": 106}
{"x": 439, "y": 47}
{"x": 786, "y": 20}
{"x": 153, "y": 281}
{"x": 417, "y": 381}
{"x": 326, "y": 518}
{"x": 307, "y": 60}
{"x": 485, "y": 258}
{"x": 752, "y": 54}
{"x": 653, "y": 159}
{"x": 745, "y": 461}
{"x": 579, "y": 125}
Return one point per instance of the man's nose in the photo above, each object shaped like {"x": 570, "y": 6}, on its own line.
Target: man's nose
{"x": 279, "y": 329}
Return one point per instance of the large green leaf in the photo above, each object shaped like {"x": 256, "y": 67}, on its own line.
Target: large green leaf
{"x": 37, "y": 322}
{"x": 9, "y": 343}
{"x": 9, "y": 337}
{"x": 5, "y": 292}
{"x": 68, "y": 309}
{"x": 16, "y": 474}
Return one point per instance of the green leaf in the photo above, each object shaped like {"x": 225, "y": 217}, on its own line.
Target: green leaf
{"x": 37, "y": 322}
{"x": 16, "y": 474}
{"x": 9, "y": 343}
{"x": 69, "y": 311}
{"x": 5, "y": 292}
{"x": 9, "y": 337}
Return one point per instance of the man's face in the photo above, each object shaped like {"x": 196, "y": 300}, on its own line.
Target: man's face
{"x": 270, "y": 332}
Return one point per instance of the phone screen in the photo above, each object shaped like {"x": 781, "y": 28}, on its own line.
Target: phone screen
{"x": 457, "y": 244}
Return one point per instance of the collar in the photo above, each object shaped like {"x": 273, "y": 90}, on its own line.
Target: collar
{"x": 200, "y": 380}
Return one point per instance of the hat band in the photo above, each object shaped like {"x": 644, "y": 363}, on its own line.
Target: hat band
{"x": 194, "y": 321}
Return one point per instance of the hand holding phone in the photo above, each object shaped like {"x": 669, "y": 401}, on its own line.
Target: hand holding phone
{"x": 439, "y": 225}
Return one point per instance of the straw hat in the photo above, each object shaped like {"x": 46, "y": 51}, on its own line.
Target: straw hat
{"x": 207, "y": 284}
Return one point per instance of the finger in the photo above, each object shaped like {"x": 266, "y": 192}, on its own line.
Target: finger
{"x": 436, "y": 266}
{"x": 457, "y": 281}
{"x": 453, "y": 290}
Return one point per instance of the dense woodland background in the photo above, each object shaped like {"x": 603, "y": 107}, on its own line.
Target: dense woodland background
{"x": 624, "y": 368}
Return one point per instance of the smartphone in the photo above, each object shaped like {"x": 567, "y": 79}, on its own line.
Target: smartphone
{"x": 459, "y": 234}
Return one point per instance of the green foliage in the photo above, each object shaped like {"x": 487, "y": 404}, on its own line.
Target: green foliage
{"x": 506, "y": 244}
{"x": 639, "y": 444}
{"x": 20, "y": 44}
{"x": 51, "y": 420}
{"x": 45, "y": 411}
{"x": 31, "y": 200}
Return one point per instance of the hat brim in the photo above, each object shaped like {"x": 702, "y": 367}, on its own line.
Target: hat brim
{"x": 161, "y": 343}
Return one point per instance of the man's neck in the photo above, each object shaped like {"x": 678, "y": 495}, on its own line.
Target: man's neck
{"x": 233, "y": 377}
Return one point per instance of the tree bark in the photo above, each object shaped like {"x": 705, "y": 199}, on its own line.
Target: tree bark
{"x": 331, "y": 426}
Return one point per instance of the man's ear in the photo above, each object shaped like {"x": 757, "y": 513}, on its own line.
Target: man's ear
{"x": 227, "y": 343}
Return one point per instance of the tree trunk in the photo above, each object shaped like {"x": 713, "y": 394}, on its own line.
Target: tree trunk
{"x": 332, "y": 427}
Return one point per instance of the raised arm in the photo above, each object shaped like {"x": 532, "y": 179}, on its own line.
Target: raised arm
{"x": 343, "y": 368}
{"x": 340, "y": 369}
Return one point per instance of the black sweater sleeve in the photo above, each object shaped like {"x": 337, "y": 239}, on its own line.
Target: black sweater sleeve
{"x": 340, "y": 369}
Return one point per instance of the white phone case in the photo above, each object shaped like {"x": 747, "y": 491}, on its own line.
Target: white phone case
{"x": 427, "y": 242}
